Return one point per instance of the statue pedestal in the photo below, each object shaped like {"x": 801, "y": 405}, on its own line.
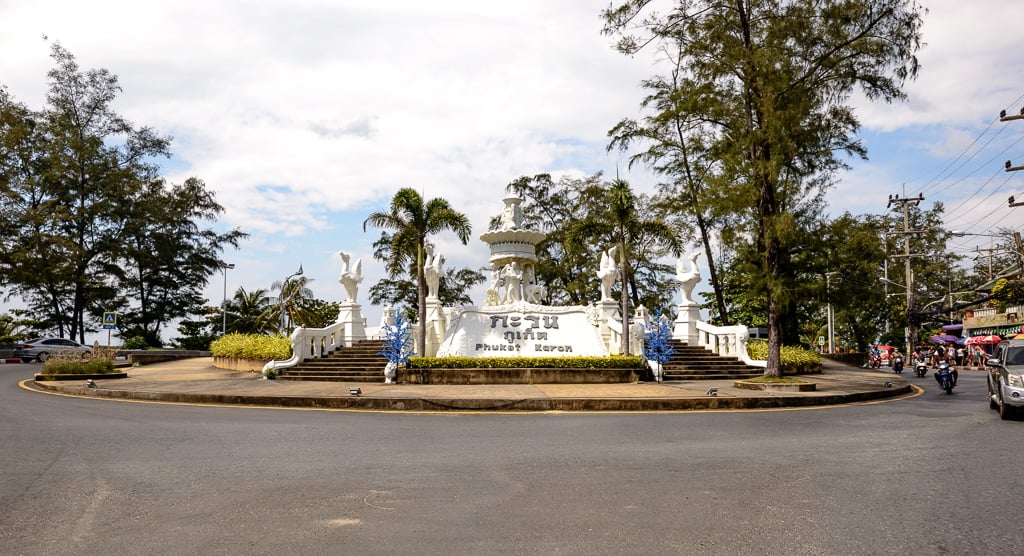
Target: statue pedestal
{"x": 350, "y": 315}
{"x": 437, "y": 326}
{"x": 685, "y": 327}
{"x": 607, "y": 311}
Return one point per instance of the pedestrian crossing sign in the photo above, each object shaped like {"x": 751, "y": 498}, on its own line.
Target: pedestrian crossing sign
{"x": 109, "y": 320}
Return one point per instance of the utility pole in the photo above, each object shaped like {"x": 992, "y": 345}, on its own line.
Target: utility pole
{"x": 911, "y": 330}
{"x": 991, "y": 251}
{"x": 1011, "y": 168}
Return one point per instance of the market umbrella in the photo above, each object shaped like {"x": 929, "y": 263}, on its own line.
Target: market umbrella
{"x": 944, "y": 338}
{"x": 990, "y": 339}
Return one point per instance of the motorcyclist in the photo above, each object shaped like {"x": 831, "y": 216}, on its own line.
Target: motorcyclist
{"x": 875, "y": 357}
{"x": 952, "y": 370}
{"x": 897, "y": 362}
{"x": 920, "y": 358}
{"x": 939, "y": 354}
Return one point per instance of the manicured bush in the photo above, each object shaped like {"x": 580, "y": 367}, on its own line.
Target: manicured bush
{"x": 612, "y": 362}
{"x": 252, "y": 346}
{"x": 135, "y": 342}
{"x": 74, "y": 365}
{"x": 794, "y": 359}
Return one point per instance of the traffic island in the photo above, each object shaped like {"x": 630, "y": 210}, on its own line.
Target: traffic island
{"x": 39, "y": 377}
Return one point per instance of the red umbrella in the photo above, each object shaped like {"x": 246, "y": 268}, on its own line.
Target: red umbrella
{"x": 990, "y": 339}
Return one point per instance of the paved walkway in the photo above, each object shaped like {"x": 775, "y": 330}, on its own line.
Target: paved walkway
{"x": 197, "y": 381}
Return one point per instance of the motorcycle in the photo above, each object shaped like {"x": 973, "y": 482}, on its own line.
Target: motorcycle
{"x": 944, "y": 376}
{"x": 875, "y": 361}
{"x": 920, "y": 367}
{"x": 897, "y": 364}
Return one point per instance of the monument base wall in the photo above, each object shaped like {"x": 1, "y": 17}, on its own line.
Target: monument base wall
{"x": 517, "y": 376}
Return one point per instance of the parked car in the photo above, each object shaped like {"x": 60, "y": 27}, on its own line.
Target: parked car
{"x": 1006, "y": 377}
{"x": 43, "y": 348}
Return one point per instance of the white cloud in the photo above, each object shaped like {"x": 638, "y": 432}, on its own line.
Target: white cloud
{"x": 970, "y": 68}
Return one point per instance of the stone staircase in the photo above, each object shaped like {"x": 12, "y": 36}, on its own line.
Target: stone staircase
{"x": 696, "y": 363}
{"x": 359, "y": 363}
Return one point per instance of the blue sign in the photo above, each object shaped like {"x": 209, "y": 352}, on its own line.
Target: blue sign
{"x": 109, "y": 320}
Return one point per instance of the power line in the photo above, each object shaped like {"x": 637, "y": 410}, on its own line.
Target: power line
{"x": 953, "y": 220}
{"x": 933, "y": 185}
{"x": 984, "y": 164}
{"x": 932, "y": 188}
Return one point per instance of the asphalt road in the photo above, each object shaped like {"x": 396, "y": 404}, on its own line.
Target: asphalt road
{"x": 934, "y": 474}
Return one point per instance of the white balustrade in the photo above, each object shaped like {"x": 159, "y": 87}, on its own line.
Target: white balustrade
{"x": 615, "y": 338}
{"x": 313, "y": 343}
{"x": 727, "y": 340}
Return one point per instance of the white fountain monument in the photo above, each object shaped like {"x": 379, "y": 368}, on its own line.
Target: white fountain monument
{"x": 512, "y": 322}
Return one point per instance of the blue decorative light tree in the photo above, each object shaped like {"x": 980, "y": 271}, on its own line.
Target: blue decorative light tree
{"x": 397, "y": 346}
{"x": 657, "y": 345}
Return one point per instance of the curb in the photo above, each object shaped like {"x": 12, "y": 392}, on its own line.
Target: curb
{"x": 14, "y": 361}
{"x": 483, "y": 405}
{"x": 39, "y": 377}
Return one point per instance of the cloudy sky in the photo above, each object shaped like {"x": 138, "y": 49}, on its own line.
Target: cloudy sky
{"x": 305, "y": 116}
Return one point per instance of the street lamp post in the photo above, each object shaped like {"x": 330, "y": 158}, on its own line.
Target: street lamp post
{"x": 284, "y": 321}
{"x": 225, "y": 267}
{"x": 829, "y": 317}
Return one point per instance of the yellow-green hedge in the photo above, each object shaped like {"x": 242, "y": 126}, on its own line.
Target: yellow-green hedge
{"x": 252, "y": 346}
{"x": 77, "y": 366}
{"x": 794, "y": 359}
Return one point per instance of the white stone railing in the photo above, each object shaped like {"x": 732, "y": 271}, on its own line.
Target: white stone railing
{"x": 615, "y": 336}
{"x": 313, "y": 343}
{"x": 727, "y": 340}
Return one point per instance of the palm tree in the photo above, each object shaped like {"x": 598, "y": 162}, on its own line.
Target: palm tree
{"x": 623, "y": 207}
{"x": 413, "y": 221}
{"x": 623, "y": 226}
{"x": 247, "y": 311}
{"x": 292, "y": 307}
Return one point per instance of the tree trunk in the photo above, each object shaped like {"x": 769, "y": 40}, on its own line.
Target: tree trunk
{"x": 771, "y": 261}
{"x": 723, "y": 314}
{"x": 624, "y": 301}
{"x": 421, "y": 299}
{"x": 774, "y": 367}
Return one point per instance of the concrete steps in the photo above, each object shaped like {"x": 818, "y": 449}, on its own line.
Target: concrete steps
{"x": 359, "y": 363}
{"x": 696, "y": 363}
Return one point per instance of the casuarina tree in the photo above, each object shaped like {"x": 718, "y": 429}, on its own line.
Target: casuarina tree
{"x": 776, "y": 79}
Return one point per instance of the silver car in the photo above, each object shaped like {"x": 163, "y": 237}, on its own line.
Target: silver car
{"x": 43, "y": 348}
{"x": 1006, "y": 377}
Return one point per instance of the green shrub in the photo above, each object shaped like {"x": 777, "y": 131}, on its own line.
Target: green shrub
{"x": 74, "y": 365}
{"x": 135, "y": 342}
{"x": 252, "y": 346}
{"x": 596, "y": 362}
{"x": 794, "y": 359}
